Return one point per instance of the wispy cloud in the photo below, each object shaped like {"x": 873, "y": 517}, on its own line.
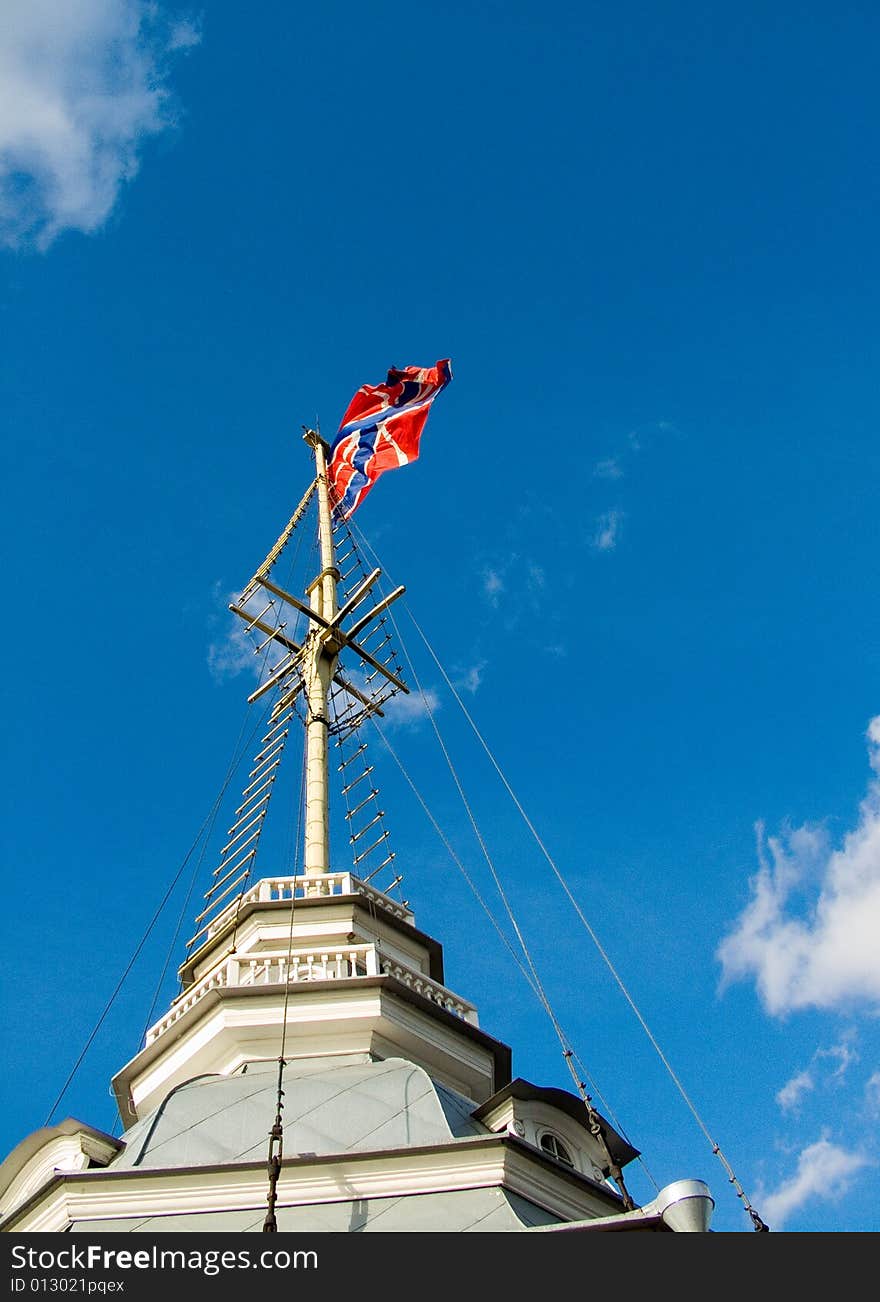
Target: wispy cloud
{"x": 404, "y": 711}
{"x": 789, "y": 1097}
{"x": 184, "y": 34}
{"x": 824, "y": 1170}
{"x": 872, "y": 1095}
{"x": 469, "y": 680}
{"x": 232, "y": 653}
{"x": 236, "y": 650}
{"x": 808, "y": 937}
{"x": 827, "y": 1067}
{"x": 536, "y": 579}
{"x": 613, "y": 468}
{"x": 493, "y": 585}
{"x": 607, "y": 531}
{"x": 608, "y": 468}
{"x": 843, "y": 1055}
{"x": 81, "y": 87}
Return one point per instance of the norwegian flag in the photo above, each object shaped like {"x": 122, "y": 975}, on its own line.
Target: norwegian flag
{"x": 381, "y": 430}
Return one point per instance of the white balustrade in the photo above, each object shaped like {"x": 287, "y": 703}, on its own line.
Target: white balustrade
{"x": 306, "y": 888}
{"x": 433, "y": 990}
{"x": 290, "y": 967}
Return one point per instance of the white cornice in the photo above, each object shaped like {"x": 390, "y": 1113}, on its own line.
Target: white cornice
{"x": 481, "y": 1162}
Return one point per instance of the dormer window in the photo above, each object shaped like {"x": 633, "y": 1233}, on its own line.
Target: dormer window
{"x": 553, "y": 1145}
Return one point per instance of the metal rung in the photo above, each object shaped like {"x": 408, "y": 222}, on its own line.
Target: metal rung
{"x": 372, "y": 823}
{"x": 272, "y": 680}
{"x": 266, "y": 628}
{"x": 263, "y": 800}
{"x": 273, "y": 742}
{"x": 282, "y": 705}
{"x": 379, "y": 648}
{"x": 279, "y": 748}
{"x": 376, "y": 611}
{"x": 217, "y": 885}
{"x": 351, "y": 704}
{"x": 383, "y": 864}
{"x": 207, "y": 927}
{"x": 353, "y": 756}
{"x": 255, "y": 783}
{"x": 360, "y": 594}
{"x": 374, "y": 791}
{"x": 374, "y": 707}
{"x": 372, "y": 633}
{"x": 278, "y": 724}
{"x": 354, "y": 726}
{"x": 345, "y": 721}
{"x": 360, "y": 777}
{"x": 204, "y": 913}
{"x": 257, "y": 618}
{"x": 238, "y": 835}
{"x": 279, "y": 628}
{"x": 389, "y": 662}
{"x": 267, "y": 783}
{"x": 359, "y": 857}
{"x": 253, "y": 836}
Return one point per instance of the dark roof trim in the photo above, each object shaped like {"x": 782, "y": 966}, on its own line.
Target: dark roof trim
{"x": 619, "y": 1148}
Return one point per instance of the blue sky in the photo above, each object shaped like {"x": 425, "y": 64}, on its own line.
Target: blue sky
{"x": 642, "y": 534}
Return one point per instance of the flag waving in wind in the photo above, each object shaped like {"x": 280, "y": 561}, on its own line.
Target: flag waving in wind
{"x": 381, "y": 430}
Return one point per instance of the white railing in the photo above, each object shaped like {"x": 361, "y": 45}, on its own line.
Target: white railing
{"x": 430, "y": 989}
{"x": 291, "y": 967}
{"x": 271, "y": 969}
{"x": 275, "y": 967}
{"x": 308, "y": 888}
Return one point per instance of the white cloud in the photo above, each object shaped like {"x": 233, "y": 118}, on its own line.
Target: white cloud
{"x": 493, "y": 585}
{"x": 239, "y": 650}
{"x": 872, "y": 1095}
{"x": 184, "y": 34}
{"x": 841, "y": 1056}
{"x": 470, "y": 679}
{"x": 607, "y": 531}
{"x": 792, "y": 1092}
{"x": 404, "y": 711}
{"x": 230, "y": 658}
{"x": 81, "y": 87}
{"x": 809, "y": 934}
{"x": 536, "y": 579}
{"x": 824, "y": 1170}
{"x": 608, "y": 468}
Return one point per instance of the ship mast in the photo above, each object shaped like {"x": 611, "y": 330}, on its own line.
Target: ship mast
{"x": 319, "y": 666}
{"x": 308, "y": 670}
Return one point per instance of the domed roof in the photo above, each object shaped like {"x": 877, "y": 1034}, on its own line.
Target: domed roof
{"x": 331, "y": 1105}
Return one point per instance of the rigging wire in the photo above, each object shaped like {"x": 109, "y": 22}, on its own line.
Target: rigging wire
{"x": 505, "y": 939}
{"x": 238, "y": 751}
{"x": 203, "y": 832}
{"x": 263, "y": 570}
{"x": 128, "y": 967}
{"x": 758, "y": 1224}
{"x": 532, "y": 977}
{"x": 594, "y": 1121}
{"x": 276, "y": 1134}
